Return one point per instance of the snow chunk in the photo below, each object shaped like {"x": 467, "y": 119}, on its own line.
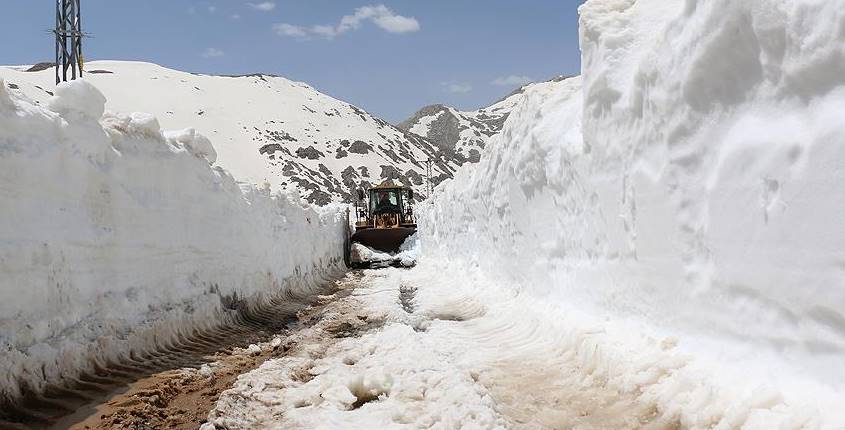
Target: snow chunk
{"x": 409, "y": 251}
{"x": 194, "y": 142}
{"x": 275, "y": 342}
{"x": 365, "y": 254}
{"x": 78, "y": 98}
{"x": 339, "y": 396}
{"x": 137, "y": 124}
{"x": 371, "y": 386}
{"x": 206, "y": 371}
{"x": 406, "y": 257}
{"x": 145, "y": 123}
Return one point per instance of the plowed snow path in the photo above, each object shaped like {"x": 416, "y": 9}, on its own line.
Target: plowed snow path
{"x": 407, "y": 350}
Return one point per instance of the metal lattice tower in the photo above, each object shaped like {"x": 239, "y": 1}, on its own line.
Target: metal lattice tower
{"x": 429, "y": 187}
{"x": 68, "y": 40}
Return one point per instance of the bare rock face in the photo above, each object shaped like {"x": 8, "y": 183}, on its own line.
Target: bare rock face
{"x": 359, "y": 147}
{"x": 270, "y": 149}
{"x": 310, "y": 153}
{"x": 474, "y": 156}
{"x": 320, "y": 198}
{"x": 444, "y": 126}
{"x": 415, "y": 178}
{"x": 389, "y": 173}
{"x": 396, "y": 154}
{"x": 41, "y": 67}
{"x": 349, "y": 176}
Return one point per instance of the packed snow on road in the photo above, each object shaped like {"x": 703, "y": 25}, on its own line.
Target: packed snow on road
{"x": 655, "y": 244}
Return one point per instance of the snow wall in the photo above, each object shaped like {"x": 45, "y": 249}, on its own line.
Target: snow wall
{"x": 117, "y": 237}
{"x": 690, "y": 187}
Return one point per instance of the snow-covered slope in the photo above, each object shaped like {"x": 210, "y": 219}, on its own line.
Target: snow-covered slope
{"x": 686, "y": 195}
{"x": 463, "y": 135}
{"x": 116, "y": 237}
{"x": 265, "y": 128}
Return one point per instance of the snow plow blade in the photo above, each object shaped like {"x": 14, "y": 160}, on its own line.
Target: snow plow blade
{"x": 383, "y": 239}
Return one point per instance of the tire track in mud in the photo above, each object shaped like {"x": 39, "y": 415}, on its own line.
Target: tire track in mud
{"x": 63, "y": 406}
{"x": 340, "y": 318}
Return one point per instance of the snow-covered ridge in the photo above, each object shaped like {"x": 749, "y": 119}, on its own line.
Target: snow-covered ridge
{"x": 266, "y": 129}
{"x": 116, "y": 235}
{"x": 688, "y": 187}
{"x": 463, "y": 134}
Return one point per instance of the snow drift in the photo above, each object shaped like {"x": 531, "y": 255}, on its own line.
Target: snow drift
{"x": 687, "y": 187}
{"x": 116, "y": 235}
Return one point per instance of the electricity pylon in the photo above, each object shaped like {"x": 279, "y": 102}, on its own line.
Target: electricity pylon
{"x": 68, "y": 40}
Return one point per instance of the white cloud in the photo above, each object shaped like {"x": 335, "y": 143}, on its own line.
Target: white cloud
{"x": 326, "y": 31}
{"x": 290, "y": 30}
{"x": 266, "y": 6}
{"x": 235, "y": 16}
{"x": 397, "y": 23}
{"x": 458, "y": 88}
{"x": 212, "y": 9}
{"x": 213, "y": 53}
{"x": 379, "y": 15}
{"x": 511, "y": 81}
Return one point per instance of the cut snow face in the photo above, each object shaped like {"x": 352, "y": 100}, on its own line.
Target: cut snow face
{"x": 687, "y": 187}
{"x": 265, "y": 129}
{"x": 118, "y": 237}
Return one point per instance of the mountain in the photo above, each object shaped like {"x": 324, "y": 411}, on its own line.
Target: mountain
{"x": 266, "y": 129}
{"x": 462, "y": 135}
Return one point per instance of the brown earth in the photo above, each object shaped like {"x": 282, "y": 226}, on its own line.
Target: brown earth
{"x": 182, "y": 398}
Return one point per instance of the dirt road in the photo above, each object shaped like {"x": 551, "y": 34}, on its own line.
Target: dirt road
{"x": 182, "y": 398}
{"x": 388, "y": 348}
{"x": 174, "y": 386}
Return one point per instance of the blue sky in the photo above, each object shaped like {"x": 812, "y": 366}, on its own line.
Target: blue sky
{"x": 389, "y": 57}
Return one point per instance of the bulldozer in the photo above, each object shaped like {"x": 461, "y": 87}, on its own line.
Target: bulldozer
{"x": 384, "y": 218}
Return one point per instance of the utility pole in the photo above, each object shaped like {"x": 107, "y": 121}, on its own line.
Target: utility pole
{"x": 429, "y": 189}
{"x": 68, "y": 33}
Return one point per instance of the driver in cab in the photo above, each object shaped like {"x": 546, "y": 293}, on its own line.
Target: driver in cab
{"x": 385, "y": 204}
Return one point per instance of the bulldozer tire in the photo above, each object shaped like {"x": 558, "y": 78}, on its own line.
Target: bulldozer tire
{"x": 347, "y": 252}
{"x": 347, "y": 244}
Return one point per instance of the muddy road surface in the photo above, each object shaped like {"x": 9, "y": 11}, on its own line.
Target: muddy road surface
{"x": 387, "y": 349}
{"x": 176, "y": 387}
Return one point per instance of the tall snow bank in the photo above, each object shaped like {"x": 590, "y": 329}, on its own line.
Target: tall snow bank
{"x": 691, "y": 189}
{"x": 115, "y": 234}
